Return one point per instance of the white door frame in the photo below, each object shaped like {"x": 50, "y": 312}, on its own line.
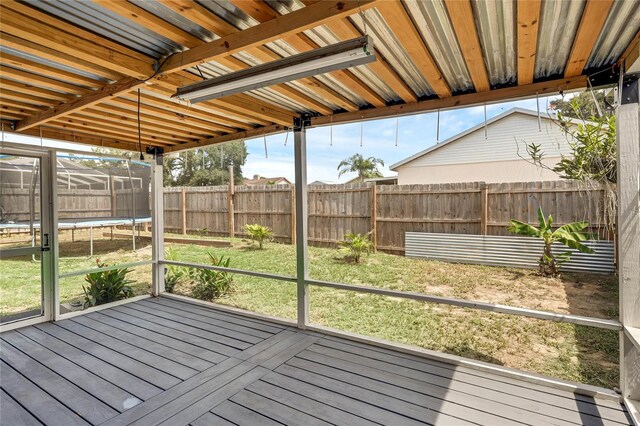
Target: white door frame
{"x": 48, "y": 231}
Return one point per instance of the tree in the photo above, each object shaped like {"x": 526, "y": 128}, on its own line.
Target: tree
{"x": 206, "y": 166}
{"x": 591, "y": 134}
{"x": 365, "y": 167}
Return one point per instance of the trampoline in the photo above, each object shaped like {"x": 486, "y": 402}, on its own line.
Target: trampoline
{"x": 90, "y": 224}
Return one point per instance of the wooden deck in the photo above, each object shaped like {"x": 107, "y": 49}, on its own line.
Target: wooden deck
{"x": 162, "y": 361}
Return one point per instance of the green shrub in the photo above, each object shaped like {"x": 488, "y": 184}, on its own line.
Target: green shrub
{"x": 106, "y": 286}
{"x": 172, "y": 274}
{"x": 258, "y": 233}
{"x": 355, "y": 245}
{"x": 570, "y": 235}
{"x": 211, "y": 284}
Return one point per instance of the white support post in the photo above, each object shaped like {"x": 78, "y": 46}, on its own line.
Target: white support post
{"x": 157, "y": 226}
{"x": 54, "y": 251}
{"x": 302, "y": 258}
{"x": 628, "y": 228}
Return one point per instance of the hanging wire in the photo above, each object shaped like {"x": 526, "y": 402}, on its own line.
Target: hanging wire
{"x": 266, "y": 153}
{"x": 363, "y": 17}
{"x": 139, "y": 131}
{"x": 485, "y": 121}
{"x": 222, "y": 156}
{"x": 361, "y": 130}
{"x": 397, "y": 126}
{"x": 286, "y": 137}
{"x": 438, "y": 127}
{"x": 595, "y": 101}
{"x": 200, "y": 71}
{"x": 331, "y": 131}
{"x": 538, "y": 110}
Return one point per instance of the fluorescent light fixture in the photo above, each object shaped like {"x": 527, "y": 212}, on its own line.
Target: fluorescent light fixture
{"x": 337, "y": 56}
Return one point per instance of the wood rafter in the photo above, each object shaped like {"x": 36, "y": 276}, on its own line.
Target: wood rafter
{"x": 593, "y": 19}
{"x": 400, "y": 23}
{"x": 32, "y": 66}
{"x": 528, "y": 20}
{"x": 464, "y": 26}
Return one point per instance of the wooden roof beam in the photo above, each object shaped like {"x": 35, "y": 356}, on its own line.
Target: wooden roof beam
{"x": 400, "y": 23}
{"x": 593, "y": 18}
{"x": 464, "y": 26}
{"x": 292, "y": 23}
{"x": 528, "y": 19}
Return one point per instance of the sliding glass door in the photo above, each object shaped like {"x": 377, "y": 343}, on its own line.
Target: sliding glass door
{"x": 25, "y": 237}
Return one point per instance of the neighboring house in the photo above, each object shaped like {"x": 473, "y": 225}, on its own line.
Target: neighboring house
{"x": 387, "y": 180}
{"x": 499, "y": 157}
{"x": 322, "y": 182}
{"x": 261, "y": 180}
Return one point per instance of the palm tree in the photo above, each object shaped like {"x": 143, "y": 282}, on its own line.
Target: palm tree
{"x": 365, "y": 167}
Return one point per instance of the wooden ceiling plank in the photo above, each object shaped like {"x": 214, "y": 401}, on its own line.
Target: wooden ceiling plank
{"x": 172, "y": 115}
{"x": 292, "y": 23}
{"x": 130, "y": 121}
{"x": 31, "y": 90}
{"x": 147, "y": 118}
{"x": 107, "y": 130}
{"x": 528, "y": 19}
{"x": 31, "y": 48}
{"x": 244, "y": 134}
{"x": 23, "y": 97}
{"x": 21, "y": 26}
{"x": 400, "y": 23}
{"x": 36, "y": 67}
{"x": 464, "y": 26}
{"x": 126, "y": 128}
{"x": 18, "y": 104}
{"x": 79, "y": 103}
{"x": 593, "y": 18}
{"x": 89, "y": 139}
{"x": 42, "y": 81}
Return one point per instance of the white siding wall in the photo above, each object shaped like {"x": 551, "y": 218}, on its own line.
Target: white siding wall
{"x": 495, "y": 159}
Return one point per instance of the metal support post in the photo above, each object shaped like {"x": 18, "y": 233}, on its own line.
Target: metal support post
{"x": 157, "y": 226}
{"x": 302, "y": 257}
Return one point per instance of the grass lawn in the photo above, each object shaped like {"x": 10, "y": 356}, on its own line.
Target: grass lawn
{"x": 565, "y": 351}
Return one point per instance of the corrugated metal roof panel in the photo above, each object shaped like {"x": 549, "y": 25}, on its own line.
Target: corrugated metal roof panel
{"x": 432, "y": 21}
{"x": 92, "y": 17}
{"x": 496, "y": 23}
{"x": 618, "y": 31}
{"x": 559, "y": 22}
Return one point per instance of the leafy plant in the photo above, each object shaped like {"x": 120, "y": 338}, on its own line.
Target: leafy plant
{"x": 106, "y": 286}
{"x": 258, "y": 233}
{"x": 570, "y": 235}
{"x": 212, "y": 284}
{"x": 172, "y": 274}
{"x": 355, "y": 245}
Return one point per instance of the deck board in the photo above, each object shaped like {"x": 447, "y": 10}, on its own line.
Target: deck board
{"x": 171, "y": 362}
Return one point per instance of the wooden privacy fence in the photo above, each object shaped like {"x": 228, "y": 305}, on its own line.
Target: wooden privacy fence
{"x": 388, "y": 210}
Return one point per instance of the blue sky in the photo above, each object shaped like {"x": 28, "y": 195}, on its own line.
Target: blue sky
{"x": 415, "y": 133}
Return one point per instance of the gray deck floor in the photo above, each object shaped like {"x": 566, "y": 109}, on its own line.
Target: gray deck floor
{"x": 162, "y": 361}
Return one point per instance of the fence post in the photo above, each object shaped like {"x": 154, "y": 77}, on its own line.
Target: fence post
{"x": 230, "y": 203}
{"x": 183, "y": 206}
{"x": 374, "y": 217}
{"x": 112, "y": 188}
{"x": 293, "y": 215}
{"x": 484, "y": 207}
